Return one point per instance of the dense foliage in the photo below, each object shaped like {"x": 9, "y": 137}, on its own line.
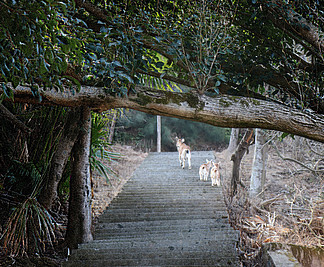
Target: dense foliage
{"x": 229, "y": 47}
{"x": 25, "y": 158}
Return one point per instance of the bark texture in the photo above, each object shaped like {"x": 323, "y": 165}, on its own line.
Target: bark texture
{"x": 234, "y": 140}
{"x": 241, "y": 149}
{"x": 79, "y": 215}
{"x": 259, "y": 167}
{"x": 222, "y": 110}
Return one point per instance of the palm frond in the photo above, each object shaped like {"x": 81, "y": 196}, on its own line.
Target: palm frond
{"x": 29, "y": 230}
{"x": 99, "y": 148}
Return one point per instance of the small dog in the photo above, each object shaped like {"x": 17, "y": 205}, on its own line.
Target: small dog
{"x": 204, "y": 170}
{"x": 215, "y": 174}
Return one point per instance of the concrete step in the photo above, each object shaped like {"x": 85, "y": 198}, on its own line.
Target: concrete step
{"x": 185, "y": 224}
{"x": 143, "y": 244}
{"x": 208, "y": 234}
{"x": 153, "y": 254}
{"x": 168, "y": 189}
{"x": 165, "y": 204}
{"x": 171, "y": 192}
{"x": 157, "y": 261}
{"x": 166, "y": 210}
{"x": 166, "y": 228}
{"x": 149, "y": 217}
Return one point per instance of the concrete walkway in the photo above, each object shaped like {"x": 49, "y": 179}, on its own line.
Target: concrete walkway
{"x": 164, "y": 216}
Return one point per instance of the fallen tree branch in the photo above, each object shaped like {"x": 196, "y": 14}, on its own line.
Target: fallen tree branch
{"x": 268, "y": 202}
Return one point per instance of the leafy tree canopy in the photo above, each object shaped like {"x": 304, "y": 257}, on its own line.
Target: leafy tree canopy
{"x": 214, "y": 47}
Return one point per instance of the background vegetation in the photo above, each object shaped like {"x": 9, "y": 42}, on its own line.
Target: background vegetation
{"x": 139, "y": 130}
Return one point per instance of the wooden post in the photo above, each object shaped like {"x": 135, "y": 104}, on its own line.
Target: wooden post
{"x": 158, "y": 130}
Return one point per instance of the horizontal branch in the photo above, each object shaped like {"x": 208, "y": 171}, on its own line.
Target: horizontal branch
{"x": 222, "y": 110}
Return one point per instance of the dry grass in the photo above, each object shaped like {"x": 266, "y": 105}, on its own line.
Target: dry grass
{"x": 290, "y": 210}
{"x": 104, "y": 192}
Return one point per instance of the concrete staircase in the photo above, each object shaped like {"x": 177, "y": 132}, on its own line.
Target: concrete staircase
{"x": 164, "y": 216}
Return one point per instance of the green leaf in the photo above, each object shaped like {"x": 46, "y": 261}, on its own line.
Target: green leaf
{"x": 75, "y": 81}
{"x": 116, "y": 63}
{"x": 8, "y": 92}
{"x": 159, "y": 64}
{"x": 222, "y": 77}
{"x": 284, "y": 135}
{"x": 15, "y": 81}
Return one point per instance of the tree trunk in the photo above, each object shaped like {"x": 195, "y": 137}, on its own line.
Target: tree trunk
{"x": 234, "y": 140}
{"x": 60, "y": 158}
{"x": 246, "y": 141}
{"x": 259, "y": 168}
{"x": 79, "y": 215}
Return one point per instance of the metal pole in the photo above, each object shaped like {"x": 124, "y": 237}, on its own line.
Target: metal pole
{"x": 158, "y": 128}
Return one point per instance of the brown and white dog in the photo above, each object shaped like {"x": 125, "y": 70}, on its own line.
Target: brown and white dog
{"x": 204, "y": 170}
{"x": 184, "y": 152}
{"x": 215, "y": 174}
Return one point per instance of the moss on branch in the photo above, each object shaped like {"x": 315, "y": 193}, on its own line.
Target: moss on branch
{"x": 165, "y": 97}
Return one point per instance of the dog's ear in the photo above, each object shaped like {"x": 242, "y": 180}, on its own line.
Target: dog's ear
{"x": 182, "y": 140}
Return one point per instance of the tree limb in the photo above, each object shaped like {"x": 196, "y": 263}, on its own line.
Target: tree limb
{"x": 221, "y": 110}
